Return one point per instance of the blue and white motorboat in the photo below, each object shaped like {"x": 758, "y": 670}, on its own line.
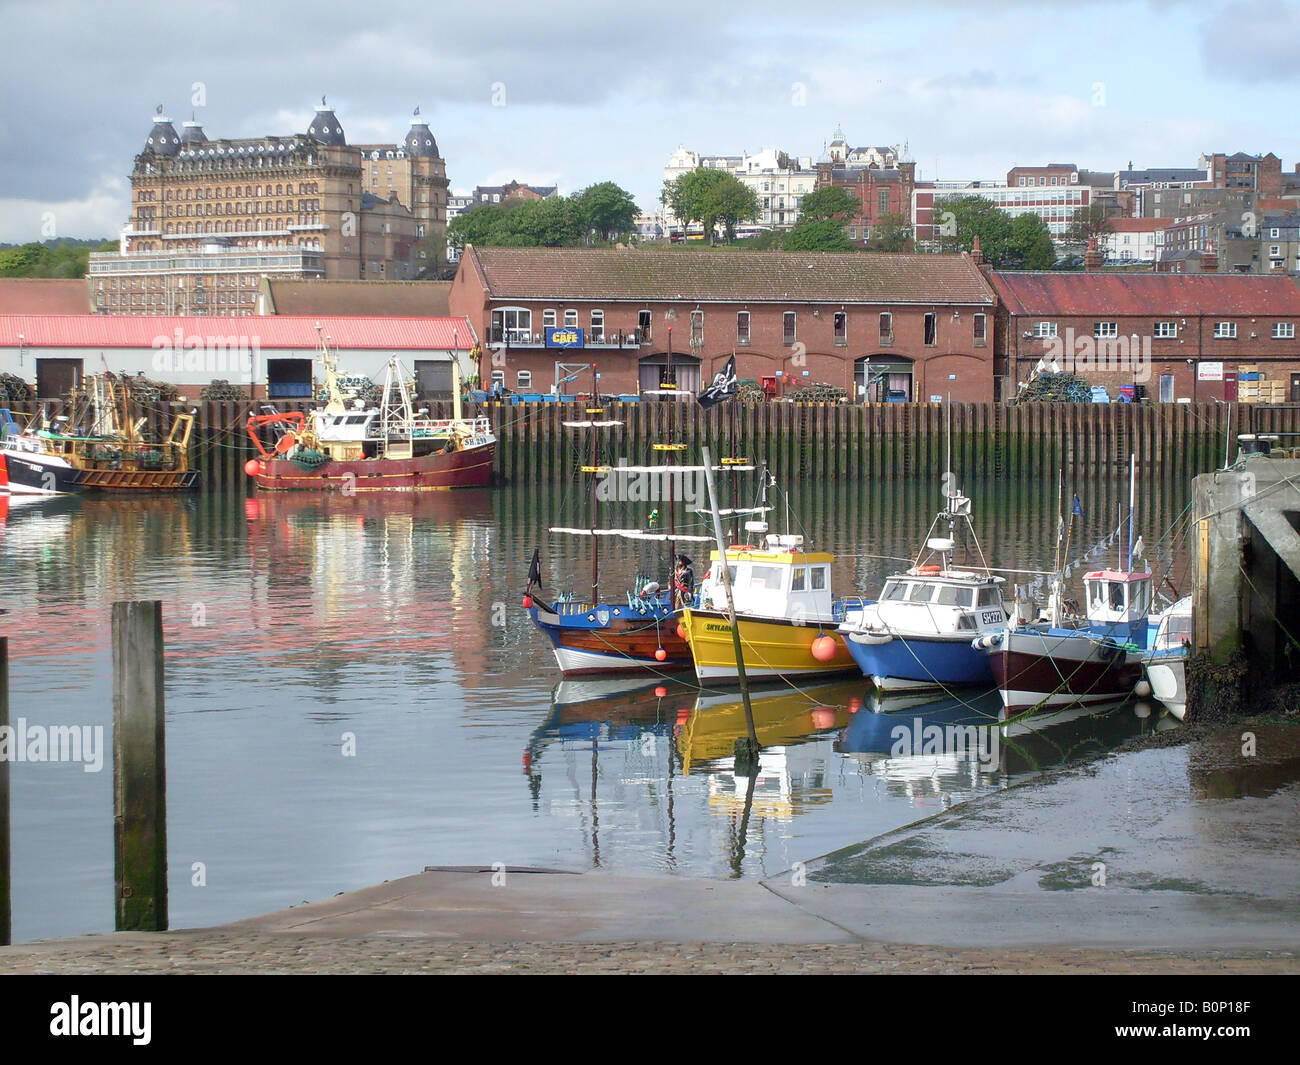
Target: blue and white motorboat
{"x": 919, "y": 633}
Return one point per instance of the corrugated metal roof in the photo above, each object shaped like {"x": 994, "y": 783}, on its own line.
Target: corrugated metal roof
{"x": 272, "y": 331}
{"x": 1150, "y": 295}
{"x": 721, "y": 275}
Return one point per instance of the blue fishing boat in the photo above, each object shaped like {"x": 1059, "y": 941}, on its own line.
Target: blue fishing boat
{"x": 918, "y": 634}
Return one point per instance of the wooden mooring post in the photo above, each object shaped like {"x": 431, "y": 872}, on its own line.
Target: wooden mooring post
{"x": 139, "y": 768}
{"x": 6, "y": 902}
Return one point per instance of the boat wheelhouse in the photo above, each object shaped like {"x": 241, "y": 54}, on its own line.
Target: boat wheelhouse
{"x": 784, "y": 609}
{"x": 918, "y": 633}
{"x": 1099, "y": 660}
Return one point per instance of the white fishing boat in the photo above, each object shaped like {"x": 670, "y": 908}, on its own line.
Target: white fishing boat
{"x": 1166, "y": 660}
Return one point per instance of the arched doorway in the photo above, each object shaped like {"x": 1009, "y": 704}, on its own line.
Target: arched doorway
{"x": 884, "y": 378}
{"x": 654, "y": 371}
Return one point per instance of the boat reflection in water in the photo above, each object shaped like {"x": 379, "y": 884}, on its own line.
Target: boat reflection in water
{"x": 952, "y": 747}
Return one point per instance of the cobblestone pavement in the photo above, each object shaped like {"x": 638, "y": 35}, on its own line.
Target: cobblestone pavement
{"x": 217, "y": 951}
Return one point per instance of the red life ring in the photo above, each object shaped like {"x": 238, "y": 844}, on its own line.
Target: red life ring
{"x": 924, "y": 571}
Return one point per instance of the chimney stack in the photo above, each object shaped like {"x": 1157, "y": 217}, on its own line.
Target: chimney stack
{"x": 1092, "y": 257}
{"x": 1209, "y": 260}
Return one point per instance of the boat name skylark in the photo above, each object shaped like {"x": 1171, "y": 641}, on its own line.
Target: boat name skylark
{"x": 204, "y": 353}
{"x": 103, "y": 1018}
{"x": 53, "y": 743}
{"x": 918, "y": 738}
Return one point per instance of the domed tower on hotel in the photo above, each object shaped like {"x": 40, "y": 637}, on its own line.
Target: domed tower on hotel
{"x": 308, "y": 205}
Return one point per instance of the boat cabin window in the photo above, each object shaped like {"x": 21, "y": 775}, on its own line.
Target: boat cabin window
{"x": 357, "y": 419}
{"x": 953, "y": 595}
{"x": 920, "y": 593}
{"x": 894, "y": 590}
{"x": 989, "y": 597}
{"x": 800, "y": 579}
{"x": 818, "y": 575}
{"x": 766, "y": 577}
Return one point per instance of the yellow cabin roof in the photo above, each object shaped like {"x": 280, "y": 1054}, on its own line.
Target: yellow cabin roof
{"x": 779, "y": 558}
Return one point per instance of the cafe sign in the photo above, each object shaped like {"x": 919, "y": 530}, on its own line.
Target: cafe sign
{"x": 563, "y": 337}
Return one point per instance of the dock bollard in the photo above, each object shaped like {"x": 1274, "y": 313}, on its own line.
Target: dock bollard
{"x": 139, "y": 768}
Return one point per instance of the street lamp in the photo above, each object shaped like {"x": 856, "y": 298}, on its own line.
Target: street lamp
{"x": 1190, "y": 369}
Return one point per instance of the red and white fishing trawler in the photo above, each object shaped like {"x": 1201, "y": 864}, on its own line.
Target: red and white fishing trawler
{"x": 389, "y": 448}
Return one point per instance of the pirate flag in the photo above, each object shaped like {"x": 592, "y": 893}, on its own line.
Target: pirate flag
{"x": 724, "y": 386}
{"x": 535, "y": 569}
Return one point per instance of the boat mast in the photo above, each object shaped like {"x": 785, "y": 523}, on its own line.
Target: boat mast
{"x": 1132, "y": 486}
{"x": 731, "y": 609}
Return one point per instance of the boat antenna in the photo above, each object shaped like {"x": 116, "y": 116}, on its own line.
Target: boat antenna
{"x": 1132, "y": 487}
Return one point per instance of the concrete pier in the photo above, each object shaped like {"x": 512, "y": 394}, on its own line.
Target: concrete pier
{"x": 1247, "y": 581}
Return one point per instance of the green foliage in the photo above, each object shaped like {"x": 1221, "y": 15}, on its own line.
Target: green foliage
{"x": 606, "y": 208}
{"x": 825, "y": 235}
{"x": 974, "y": 216}
{"x": 1056, "y": 388}
{"x": 767, "y": 240}
{"x": 554, "y": 221}
{"x": 830, "y": 202}
{"x": 712, "y": 198}
{"x": 892, "y": 233}
{"x": 52, "y": 258}
{"x": 1089, "y": 223}
{"x": 1031, "y": 243}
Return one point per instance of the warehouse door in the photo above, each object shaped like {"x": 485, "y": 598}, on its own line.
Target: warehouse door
{"x": 55, "y": 378}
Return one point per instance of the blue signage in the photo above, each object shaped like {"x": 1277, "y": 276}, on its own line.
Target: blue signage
{"x": 568, "y": 336}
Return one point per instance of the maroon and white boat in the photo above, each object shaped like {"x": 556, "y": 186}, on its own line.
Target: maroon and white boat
{"x": 1052, "y": 664}
{"x": 390, "y": 448}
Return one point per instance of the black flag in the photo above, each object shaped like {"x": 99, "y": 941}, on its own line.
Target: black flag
{"x": 724, "y": 386}
{"x": 535, "y": 569}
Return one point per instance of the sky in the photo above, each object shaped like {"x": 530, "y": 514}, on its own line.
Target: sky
{"x": 574, "y": 92}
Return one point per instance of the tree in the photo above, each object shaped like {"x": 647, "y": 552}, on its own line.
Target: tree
{"x": 824, "y": 235}
{"x": 829, "y": 202}
{"x": 893, "y": 233}
{"x": 710, "y": 197}
{"x": 474, "y": 225}
{"x": 971, "y": 217}
{"x": 1031, "y": 242}
{"x": 1090, "y": 223}
{"x": 606, "y": 208}
{"x": 548, "y": 223}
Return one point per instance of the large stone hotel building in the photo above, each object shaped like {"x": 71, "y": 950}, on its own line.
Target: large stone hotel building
{"x": 210, "y": 218}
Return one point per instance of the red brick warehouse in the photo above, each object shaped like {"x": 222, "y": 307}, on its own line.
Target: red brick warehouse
{"x": 913, "y": 327}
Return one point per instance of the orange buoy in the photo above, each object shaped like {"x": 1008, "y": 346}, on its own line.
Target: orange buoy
{"x": 823, "y": 717}
{"x": 660, "y": 692}
{"x": 661, "y": 655}
{"x": 824, "y": 648}
{"x": 681, "y": 631}
{"x": 528, "y": 602}
{"x": 252, "y": 467}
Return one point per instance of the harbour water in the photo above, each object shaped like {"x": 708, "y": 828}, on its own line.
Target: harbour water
{"x": 353, "y": 693}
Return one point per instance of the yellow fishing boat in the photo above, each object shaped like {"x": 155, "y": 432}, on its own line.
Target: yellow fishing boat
{"x": 784, "y": 608}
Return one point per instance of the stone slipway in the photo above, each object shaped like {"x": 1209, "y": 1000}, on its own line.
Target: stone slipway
{"x": 1199, "y": 847}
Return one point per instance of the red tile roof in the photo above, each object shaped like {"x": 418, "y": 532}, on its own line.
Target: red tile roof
{"x": 1145, "y": 294}
{"x": 381, "y": 299}
{"x": 273, "y": 331}
{"x": 721, "y": 275}
{"x": 44, "y": 295}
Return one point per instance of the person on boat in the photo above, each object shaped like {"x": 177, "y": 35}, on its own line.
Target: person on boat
{"x": 683, "y": 582}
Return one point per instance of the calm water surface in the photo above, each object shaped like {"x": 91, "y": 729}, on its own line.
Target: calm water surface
{"x": 298, "y": 628}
